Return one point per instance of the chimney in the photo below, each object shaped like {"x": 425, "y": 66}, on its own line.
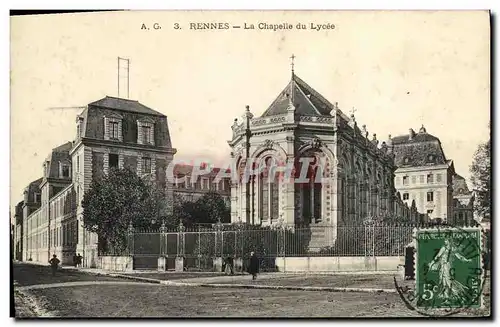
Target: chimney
{"x": 411, "y": 134}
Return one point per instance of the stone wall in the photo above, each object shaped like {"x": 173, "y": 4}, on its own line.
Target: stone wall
{"x": 338, "y": 264}
{"x": 114, "y": 263}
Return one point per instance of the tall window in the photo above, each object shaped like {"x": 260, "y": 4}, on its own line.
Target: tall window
{"x": 268, "y": 193}
{"x": 113, "y": 130}
{"x": 406, "y": 180}
{"x": 146, "y": 165}
{"x": 430, "y": 179}
{"x": 146, "y": 134}
{"x": 414, "y": 179}
{"x": 113, "y": 160}
{"x": 439, "y": 178}
{"x": 406, "y": 196}
{"x": 311, "y": 194}
{"x": 422, "y": 179}
{"x": 430, "y": 196}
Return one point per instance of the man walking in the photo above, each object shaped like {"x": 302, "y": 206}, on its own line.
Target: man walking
{"x": 54, "y": 263}
{"x": 79, "y": 259}
{"x": 253, "y": 267}
{"x": 228, "y": 263}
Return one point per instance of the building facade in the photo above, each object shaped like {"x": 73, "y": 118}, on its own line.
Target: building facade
{"x": 111, "y": 132}
{"x": 189, "y": 188}
{"x": 424, "y": 174}
{"x": 352, "y": 175}
{"x": 463, "y": 202}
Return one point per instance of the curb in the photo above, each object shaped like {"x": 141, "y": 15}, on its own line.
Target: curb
{"x": 269, "y": 287}
{"x": 281, "y": 287}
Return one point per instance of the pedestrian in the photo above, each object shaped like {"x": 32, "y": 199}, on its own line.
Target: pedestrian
{"x": 54, "y": 264}
{"x": 228, "y": 263}
{"x": 75, "y": 260}
{"x": 79, "y": 259}
{"x": 253, "y": 267}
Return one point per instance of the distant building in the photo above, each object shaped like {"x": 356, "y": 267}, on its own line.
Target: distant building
{"x": 463, "y": 202}
{"x": 111, "y": 132}
{"x": 190, "y": 189}
{"x": 424, "y": 174}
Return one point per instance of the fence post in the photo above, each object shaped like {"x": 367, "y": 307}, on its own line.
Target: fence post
{"x": 281, "y": 240}
{"x": 370, "y": 262}
{"x": 130, "y": 233}
{"x": 179, "y": 260}
{"x": 218, "y": 248}
{"x": 162, "y": 260}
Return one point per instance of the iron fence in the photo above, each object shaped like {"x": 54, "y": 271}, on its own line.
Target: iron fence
{"x": 199, "y": 246}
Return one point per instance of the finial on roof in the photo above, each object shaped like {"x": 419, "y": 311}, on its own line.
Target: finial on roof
{"x": 247, "y": 107}
{"x": 293, "y": 64}
{"x": 422, "y": 129}
{"x": 365, "y": 131}
{"x": 352, "y": 112}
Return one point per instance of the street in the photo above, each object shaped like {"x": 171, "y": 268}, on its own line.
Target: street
{"x": 76, "y": 294}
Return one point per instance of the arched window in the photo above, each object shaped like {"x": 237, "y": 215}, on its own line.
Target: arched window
{"x": 269, "y": 190}
{"x": 311, "y": 189}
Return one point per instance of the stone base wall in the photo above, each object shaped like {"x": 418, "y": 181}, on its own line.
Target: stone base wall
{"x": 338, "y": 264}
{"x": 124, "y": 263}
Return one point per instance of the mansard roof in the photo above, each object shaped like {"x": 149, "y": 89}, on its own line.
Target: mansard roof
{"x": 418, "y": 149}
{"x": 306, "y": 100}
{"x": 125, "y": 105}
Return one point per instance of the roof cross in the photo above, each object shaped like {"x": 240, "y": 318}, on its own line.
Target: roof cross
{"x": 293, "y": 63}
{"x": 353, "y": 111}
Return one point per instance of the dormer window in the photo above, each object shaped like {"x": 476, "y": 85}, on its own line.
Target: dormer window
{"x": 430, "y": 158}
{"x": 113, "y": 130}
{"x": 64, "y": 170}
{"x": 145, "y": 131}
{"x": 36, "y": 197}
{"x": 113, "y": 127}
{"x": 406, "y": 160}
{"x": 146, "y": 134}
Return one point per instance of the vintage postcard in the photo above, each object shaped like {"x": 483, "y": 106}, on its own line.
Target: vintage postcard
{"x": 251, "y": 164}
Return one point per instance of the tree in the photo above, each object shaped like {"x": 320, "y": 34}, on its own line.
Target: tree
{"x": 208, "y": 209}
{"x": 481, "y": 179}
{"x": 115, "y": 201}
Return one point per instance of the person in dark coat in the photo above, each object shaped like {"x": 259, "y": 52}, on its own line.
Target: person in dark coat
{"x": 253, "y": 267}
{"x": 228, "y": 263}
{"x": 54, "y": 263}
{"x": 79, "y": 259}
{"x": 75, "y": 260}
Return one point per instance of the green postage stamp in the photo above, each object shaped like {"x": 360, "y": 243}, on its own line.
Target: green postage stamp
{"x": 448, "y": 268}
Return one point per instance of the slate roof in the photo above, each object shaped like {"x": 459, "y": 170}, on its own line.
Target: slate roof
{"x": 125, "y": 105}
{"x": 422, "y": 150}
{"x": 307, "y": 101}
{"x": 459, "y": 183}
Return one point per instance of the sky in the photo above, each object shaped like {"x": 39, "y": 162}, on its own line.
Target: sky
{"x": 398, "y": 69}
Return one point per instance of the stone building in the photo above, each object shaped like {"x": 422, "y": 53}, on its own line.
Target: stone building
{"x": 463, "y": 201}
{"x": 191, "y": 189}
{"x": 424, "y": 174}
{"x": 354, "y": 173}
{"x": 111, "y": 132}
